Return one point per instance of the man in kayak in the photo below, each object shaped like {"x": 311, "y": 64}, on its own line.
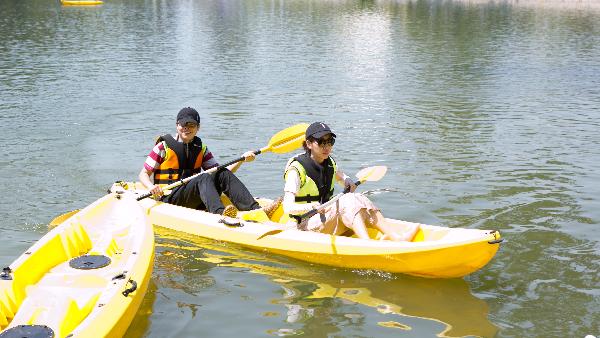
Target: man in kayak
{"x": 309, "y": 182}
{"x": 175, "y": 158}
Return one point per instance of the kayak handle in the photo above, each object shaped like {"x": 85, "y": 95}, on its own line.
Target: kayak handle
{"x": 5, "y": 275}
{"x": 131, "y": 289}
{"x": 231, "y": 223}
{"x": 496, "y": 240}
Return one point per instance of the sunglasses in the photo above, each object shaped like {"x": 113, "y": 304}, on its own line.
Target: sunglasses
{"x": 190, "y": 125}
{"x": 330, "y": 141}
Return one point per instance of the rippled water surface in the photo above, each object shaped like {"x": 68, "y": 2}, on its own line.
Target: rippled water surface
{"x": 486, "y": 114}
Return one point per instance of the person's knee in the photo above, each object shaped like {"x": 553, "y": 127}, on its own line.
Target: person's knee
{"x": 202, "y": 179}
{"x": 224, "y": 173}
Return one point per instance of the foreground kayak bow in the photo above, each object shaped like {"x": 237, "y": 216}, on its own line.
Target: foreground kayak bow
{"x": 85, "y": 278}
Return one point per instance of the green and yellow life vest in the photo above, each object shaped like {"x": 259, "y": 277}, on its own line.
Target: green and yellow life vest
{"x": 316, "y": 181}
{"x": 181, "y": 160}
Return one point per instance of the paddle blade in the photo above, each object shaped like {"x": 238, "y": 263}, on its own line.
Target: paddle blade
{"x": 371, "y": 173}
{"x": 289, "y": 139}
{"x": 59, "y": 219}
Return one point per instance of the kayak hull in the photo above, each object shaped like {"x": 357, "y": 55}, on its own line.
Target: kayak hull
{"x": 442, "y": 253}
{"x": 450, "y": 262}
{"x": 86, "y": 277}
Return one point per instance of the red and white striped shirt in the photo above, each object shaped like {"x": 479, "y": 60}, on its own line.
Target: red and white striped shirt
{"x": 158, "y": 153}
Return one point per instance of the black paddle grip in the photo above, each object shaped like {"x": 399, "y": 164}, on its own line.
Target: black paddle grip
{"x": 144, "y": 196}
{"x": 347, "y": 190}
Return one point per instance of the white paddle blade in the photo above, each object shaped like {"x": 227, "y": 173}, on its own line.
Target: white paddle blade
{"x": 371, "y": 173}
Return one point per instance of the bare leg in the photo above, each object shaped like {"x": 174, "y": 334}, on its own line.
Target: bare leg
{"x": 389, "y": 232}
{"x": 359, "y": 226}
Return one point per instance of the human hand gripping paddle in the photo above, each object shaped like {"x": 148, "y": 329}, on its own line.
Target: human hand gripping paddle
{"x": 284, "y": 141}
{"x": 372, "y": 174}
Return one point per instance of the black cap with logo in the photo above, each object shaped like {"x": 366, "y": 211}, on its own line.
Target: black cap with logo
{"x": 186, "y": 115}
{"x": 318, "y": 130}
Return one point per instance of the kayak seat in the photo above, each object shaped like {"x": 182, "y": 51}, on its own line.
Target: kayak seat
{"x": 66, "y": 244}
{"x": 59, "y": 307}
{"x": 258, "y": 216}
{"x": 106, "y": 245}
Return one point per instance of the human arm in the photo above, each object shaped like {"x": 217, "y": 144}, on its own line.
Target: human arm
{"x": 248, "y": 156}
{"x": 292, "y": 186}
{"x": 345, "y": 180}
{"x": 145, "y": 179}
{"x": 153, "y": 161}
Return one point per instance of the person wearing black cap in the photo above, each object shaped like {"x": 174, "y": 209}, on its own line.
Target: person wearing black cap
{"x": 309, "y": 182}
{"x": 175, "y": 158}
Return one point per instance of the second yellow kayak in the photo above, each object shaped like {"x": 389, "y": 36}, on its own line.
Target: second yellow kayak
{"x": 81, "y": 3}
{"x": 85, "y": 278}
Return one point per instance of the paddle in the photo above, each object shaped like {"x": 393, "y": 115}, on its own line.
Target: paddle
{"x": 372, "y": 174}
{"x": 286, "y": 140}
{"x": 59, "y": 219}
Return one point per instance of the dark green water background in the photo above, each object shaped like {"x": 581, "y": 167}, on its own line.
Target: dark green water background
{"x": 486, "y": 114}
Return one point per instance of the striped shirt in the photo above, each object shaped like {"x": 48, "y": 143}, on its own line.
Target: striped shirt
{"x": 158, "y": 153}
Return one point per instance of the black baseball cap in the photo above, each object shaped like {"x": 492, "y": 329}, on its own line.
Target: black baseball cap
{"x": 318, "y": 130}
{"x": 186, "y": 115}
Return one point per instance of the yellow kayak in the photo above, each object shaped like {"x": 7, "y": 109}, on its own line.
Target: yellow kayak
{"x": 437, "y": 252}
{"x": 81, "y": 3}
{"x": 84, "y": 278}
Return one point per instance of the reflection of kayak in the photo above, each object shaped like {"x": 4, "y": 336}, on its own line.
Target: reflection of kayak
{"x": 397, "y": 298}
{"x": 440, "y": 252}
{"x": 84, "y": 278}
{"x": 81, "y": 3}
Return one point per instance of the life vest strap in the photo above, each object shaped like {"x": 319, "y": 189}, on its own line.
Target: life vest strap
{"x": 307, "y": 198}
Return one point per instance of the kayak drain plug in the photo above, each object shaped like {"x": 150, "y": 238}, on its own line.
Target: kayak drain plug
{"x": 89, "y": 262}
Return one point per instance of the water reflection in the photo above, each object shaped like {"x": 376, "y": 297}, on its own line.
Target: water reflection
{"x": 142, "y": 320}
{"x": 325, "y": 300}
{"x": 485, "y": 111}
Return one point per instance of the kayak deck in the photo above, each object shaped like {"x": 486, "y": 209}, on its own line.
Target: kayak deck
{"x": 86, "y": 277}
{"x": 437, "y": 252}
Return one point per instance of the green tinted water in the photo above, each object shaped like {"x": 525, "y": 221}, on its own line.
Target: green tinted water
{"x": 486, "y": 115}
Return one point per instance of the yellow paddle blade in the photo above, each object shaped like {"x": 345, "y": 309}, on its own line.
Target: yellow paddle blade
{"x": 371, "y": 173}
{"x": 288, "y": 139}
{"x": 59, "y": 219}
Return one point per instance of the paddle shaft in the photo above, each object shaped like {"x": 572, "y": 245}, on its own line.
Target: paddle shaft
{"x": 209, "y": 171}
{"x": 328, "y": 203}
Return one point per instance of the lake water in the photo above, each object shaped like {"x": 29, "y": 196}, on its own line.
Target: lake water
{"x": 487, "y": 115}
